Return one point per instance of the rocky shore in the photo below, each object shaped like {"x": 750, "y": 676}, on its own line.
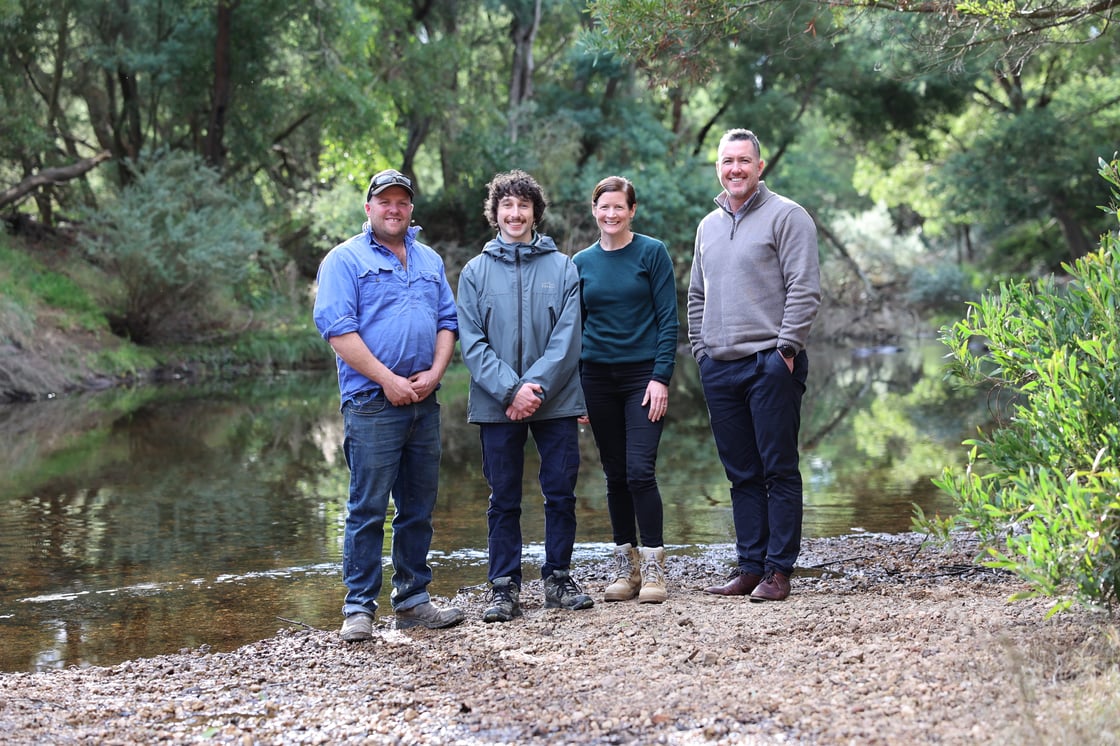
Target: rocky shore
{"x": 884, "y": 641}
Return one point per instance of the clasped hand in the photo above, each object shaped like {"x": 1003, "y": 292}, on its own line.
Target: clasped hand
{"x": 525, "y": 402}
{"x": 416, "y": 388}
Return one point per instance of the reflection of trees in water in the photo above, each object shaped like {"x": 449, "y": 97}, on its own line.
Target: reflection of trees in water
{"x": 883, "y": 427}
{"x": 875, "y": 424}
{"x": 34, "y": 432}
{"x": 217, "y": 475}
{"x": 122, "y": 488}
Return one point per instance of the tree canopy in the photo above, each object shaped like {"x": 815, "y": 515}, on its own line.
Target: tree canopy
{"x": 977, "y": 124}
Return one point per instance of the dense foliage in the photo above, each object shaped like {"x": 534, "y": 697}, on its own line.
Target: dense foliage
{"x": 927, "y": 172}
{"x": 985, "y": 151}
{"x": 1046, "y": 482}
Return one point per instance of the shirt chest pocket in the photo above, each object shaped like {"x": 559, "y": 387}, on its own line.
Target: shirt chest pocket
{"x": 382, "y": 289}
{"x": 426, "y": 289}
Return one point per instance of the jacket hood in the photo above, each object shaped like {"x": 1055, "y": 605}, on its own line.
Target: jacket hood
{"x": 508, "y": 252}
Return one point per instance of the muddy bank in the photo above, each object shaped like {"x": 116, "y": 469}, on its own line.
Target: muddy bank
{"x": 882, "y": 642}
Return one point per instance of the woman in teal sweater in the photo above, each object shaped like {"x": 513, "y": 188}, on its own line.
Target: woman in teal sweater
{"x": 629, "y": 302}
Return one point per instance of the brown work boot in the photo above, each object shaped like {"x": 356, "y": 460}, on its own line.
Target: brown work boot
{"x": 653, "y": 576}
{"x": 429, "y": 615}
{"x": 740, "y": 584}
{"x": 357, "y": 627}
{"x": 627, "y": 575}
{"x": 774, "y": 587}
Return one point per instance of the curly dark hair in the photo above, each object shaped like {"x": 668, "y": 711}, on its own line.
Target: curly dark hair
{"x": 518, "y": 184}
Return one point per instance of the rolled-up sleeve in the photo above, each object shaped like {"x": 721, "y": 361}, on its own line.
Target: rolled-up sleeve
{"x": 336, "y": 299}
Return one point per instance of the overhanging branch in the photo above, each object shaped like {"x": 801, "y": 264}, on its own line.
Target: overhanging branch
{"x": 50, "y": 176}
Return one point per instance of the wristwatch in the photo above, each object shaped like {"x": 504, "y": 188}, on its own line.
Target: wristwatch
{"x": 787, "y": 351}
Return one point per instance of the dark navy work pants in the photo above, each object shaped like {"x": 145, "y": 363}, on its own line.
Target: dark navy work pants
{"x": 754, "y": 405}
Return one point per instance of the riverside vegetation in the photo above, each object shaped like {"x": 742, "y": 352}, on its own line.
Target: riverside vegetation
{"x": 1043, "y": 488}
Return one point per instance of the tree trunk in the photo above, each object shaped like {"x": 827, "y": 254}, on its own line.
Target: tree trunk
{"x": 214, "y": 146}
{"x": 523, "y": 31}
{"x": 418, "y": 129}
{"x": 131, "y": 134}
{"x": 1073, "y": 232}
{"x": 833, "y": 239}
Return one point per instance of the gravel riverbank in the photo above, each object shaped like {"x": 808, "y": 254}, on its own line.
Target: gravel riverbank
{"x": 882, "y": 642}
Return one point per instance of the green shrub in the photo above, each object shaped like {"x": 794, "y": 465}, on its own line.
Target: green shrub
{"x": 179, "y": 244}
{"x": 1043, "y": 489}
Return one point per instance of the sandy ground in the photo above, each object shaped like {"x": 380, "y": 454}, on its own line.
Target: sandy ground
{"x": 882, "y": 642}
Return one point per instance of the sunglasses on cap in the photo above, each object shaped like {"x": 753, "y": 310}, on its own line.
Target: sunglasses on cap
{"x": 385, "y": 179}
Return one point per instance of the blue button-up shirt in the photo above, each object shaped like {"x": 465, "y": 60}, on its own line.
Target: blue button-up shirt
{"x": 396, "y": 310}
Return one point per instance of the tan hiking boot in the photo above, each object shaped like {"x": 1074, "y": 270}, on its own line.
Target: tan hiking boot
{"x": 653, "y": 576}
{"x": 628, "y": 575}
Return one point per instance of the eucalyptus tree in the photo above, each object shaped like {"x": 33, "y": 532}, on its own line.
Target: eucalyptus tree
{"x": 246, "y": 87}
{"x": 817, "y": 94}
{"x": 1021, "y": 76}
{"x": 1024, "y": 154}
{"x": 677, "y": 36}
{"x": 246, "y": 83}
{"x": 1013, "y": 168}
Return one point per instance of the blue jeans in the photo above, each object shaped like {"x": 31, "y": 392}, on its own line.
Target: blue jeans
{"x": 754, "y": 405}
{"x": 390, "y": 450}
{"x": 503, "y": 464}
{"x": 627, "y": 443}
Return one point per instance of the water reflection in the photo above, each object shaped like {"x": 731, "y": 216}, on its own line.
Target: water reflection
{"x": 142, "y": 522}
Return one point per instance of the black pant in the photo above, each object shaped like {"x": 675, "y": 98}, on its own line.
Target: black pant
{"x": 627, "y": 443}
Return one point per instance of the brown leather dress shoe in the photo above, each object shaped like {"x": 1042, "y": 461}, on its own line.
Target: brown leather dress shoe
{"x": 774, "y": 587}
{"x": 740, "y": 585}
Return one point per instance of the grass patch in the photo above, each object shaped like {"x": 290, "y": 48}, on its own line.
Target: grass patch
{"x": 30, "y": 283}
{"x": 286, "y": 345}
{"x": 1088, "y": 714}
{"x": 125, "y": 360}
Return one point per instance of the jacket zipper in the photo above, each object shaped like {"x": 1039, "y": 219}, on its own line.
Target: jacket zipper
{"x": 520, "y": 315}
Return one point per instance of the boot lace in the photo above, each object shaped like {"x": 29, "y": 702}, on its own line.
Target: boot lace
{"x": 653, "y": 572}
{"x": 622, "y": 568}
{"x": 501, "y": 594}
{"x": 566, "y": 586}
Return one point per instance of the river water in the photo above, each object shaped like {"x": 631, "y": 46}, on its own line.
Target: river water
{"x": 145, "y": 521}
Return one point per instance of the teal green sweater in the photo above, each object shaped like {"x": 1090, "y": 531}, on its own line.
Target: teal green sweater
{"x": 629, "y": 300}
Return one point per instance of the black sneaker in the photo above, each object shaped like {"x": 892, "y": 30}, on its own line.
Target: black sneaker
{"x": 505, "y": 597}
{"x": 561, "y": 592}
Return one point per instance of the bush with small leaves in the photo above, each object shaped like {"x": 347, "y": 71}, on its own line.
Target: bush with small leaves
{"x": 1043, "y": 488}
{"x": 178, "y": 242}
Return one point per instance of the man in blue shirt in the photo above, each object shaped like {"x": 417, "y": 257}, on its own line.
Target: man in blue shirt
{"x": 386, "y": 308}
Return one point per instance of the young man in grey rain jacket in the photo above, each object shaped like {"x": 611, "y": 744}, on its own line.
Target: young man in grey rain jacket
{"x": 519, "y": 331}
